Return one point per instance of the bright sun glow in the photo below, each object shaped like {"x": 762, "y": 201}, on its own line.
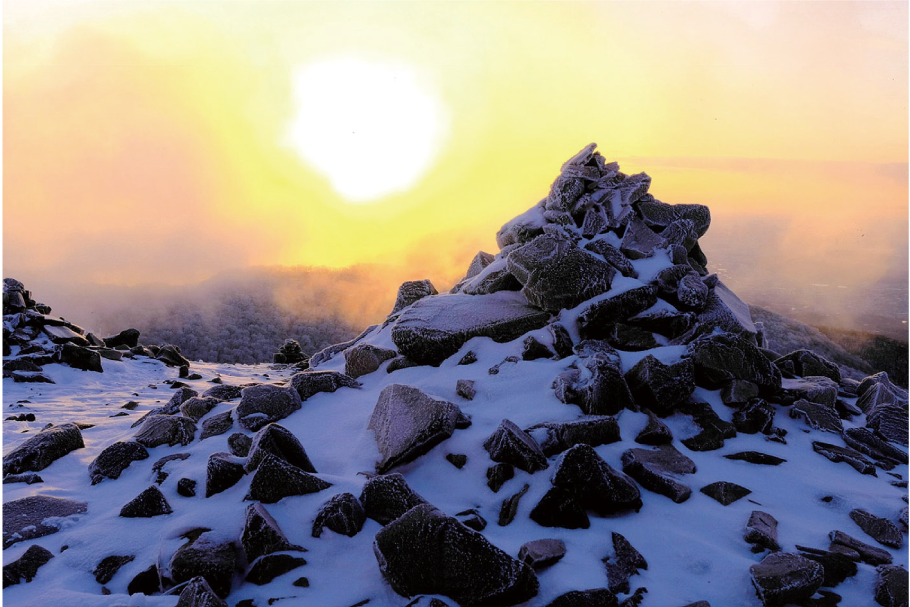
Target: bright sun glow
{"x": 371, "y": 128}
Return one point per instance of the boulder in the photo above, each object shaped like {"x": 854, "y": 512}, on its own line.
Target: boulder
{"x": 114, "y": 459}
{"x": 435, "y": 328}
{"x": 412, "y": 291}
{"x": 837, "y": 566}
{"x": 613, "y": 256}
{"x": 867, "y": 442}
{"x": 556, "y": 437}
{"x": 275, "y": 479}
{"x": 596, "y": 383}
{"x": 816, "y": 389}
{"x": 661, "y": 387}
{"x": 816, "y": 416}
{"x": 867, "y": 554}
{"x": 342, "y": 514}
{"x": 465, "y": 389}
{"x": 222, "y": 472}
{"x": 890, "y": 586}
{"x": 224, "y": 392}
{"x": 598, "y": 319}
{"x": 362, "y": 359}
{"x": 386, "y": 497}
{"x": 267, "y": 568}
{"x": 26, "y": 566}
{"x": 625, "y": 562}
{"x": 725, "y": 492}
{"x": 640, "y": 241}
{"x": 511, "y": 445}
{"x": 181, "y": 395}
{"x": 472, "y": 520}
{"x": 166, "y": 430}
{"x": 533, "y": 349}
{"x": 62, "y": 335}
{"x": 654, "y": 433}
{"x": 657, "y": 470}
{"x": 281, "y": 443}
{"x": 27, "y": 518}
{"x": 109, "y": 566}
{"x": 478, "y": 263}
{"x": 197, "y": 407}
{"x": 408, "y": 423}
{"x": 805, "y": 363}
{"x": 197, "y": 593}
{"x": 664, "y": 322}
{"x": 170, "y": 355}
{"x": 498, "y": 475}
{"x": 127, "y": 337}
{"x": 542, "y": 553}
{"x": 213, "y": 561}
{"x": 147, "y": 504}
{"x": 722, "y": 357}
{"x": 890, "y": 422}
{"x": 782, "y": 578}
{"x": 495, "y": 277}
{"x": 261, "y": 534}
{"x": 880, "y": 529}
{"x": 264, "y": 404}
{"x": 754, "y": 417}
{"x": 43, "y": 449}
{"x": 311, "y": 382}
{"x": 186, "y": 487}
{"x": 217, "y": 425}
{"x": 761, "y": 531}
{"x": 240, "y": 444}
{"x": 426, "y": 552}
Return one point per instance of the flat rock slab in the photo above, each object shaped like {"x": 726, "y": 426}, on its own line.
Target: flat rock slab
{"x": 725, "y": 492}
{"x": 867, "y": 554}
{"x": 43, "y": 449}
{"x": 408, "y": 423}
{"x": 434, "y": 328}
{"x": 816, "y": 416}
{"x": 783, "y": 578}
{"x": 542, "y": 553}
{"x": 275, "y": 479}
{"x": 839, "y": 454}
{"x": 880, "y": 529}
{"x": 426, "y": 552}
{"x": 761, "y": 530}
{"x": 166, "y": 430}
{"x": 656, "y": 470}
{"x": 722, "y": 357}
{"x": 756, "y": 457}
{"x": 23, "y": 519}
{"x": 891, "y": 586}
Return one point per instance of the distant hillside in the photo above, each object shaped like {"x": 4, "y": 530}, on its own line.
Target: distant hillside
{"x": 882, "y": 353}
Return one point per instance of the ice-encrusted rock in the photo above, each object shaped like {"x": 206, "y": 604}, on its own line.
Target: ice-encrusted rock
{"x": 312, "y": 382}
{"x": 784, "y": 577}
{"x": 275, "y": 479}
{"x": 478, "y": 263}
{"x": 891, "y": 586}
{"x": 147, "y": 504}
{"x": 269, "y": 567}
{"x": 661, "y": 387}
{"x": 43, "y": 449}
{"x": 725, "y": 311}
{"x": 511, "y": 445}
{"x": 556, "y": 437}
{"x": 625, "y": 562}
{"x": 385, "y": 497}
{"x": 26, "y": 566}
{"x": 412, "y": 291}
{"x": 595, "y": 383}
{"x": 805, "y": 362}
{"x": 817, "y": 389}
{"x": 493, "y": 278}
{"x": 509, "y": 507}
{"x": 657, "y": 470}
{"x": 180, "y": 396}
{"x": 198, "y": 593}
{"x": 640, "y": 241}
{"x": 27, "y": 518}
{"x": 556, "y": 274}
{"x": 280, "y": 442}
{"x": 753, "y": 417}
{"x": 261, "y": 534}
{"x": 197, "y": 407}
{"x": 166, "y": 430}
{"x": 408, "y": 423}
{"x": 211, "y": 560}
{"x": 523, "y": 228}
{"x": 613, "y": 256}
{"x": 465, "y": 389}
{"x": 362, "y": 359}
{"x": 725, "y": 492}
{"x": 847, "y": 455}
{"x": 105, "y": 571}
{"x": 217, "y": 424}
{"x": 436, "y": 327}
{"x": 78, "y": 357}
{"x": 426, "y": 552}
{"x": 867, "y": 554}
{"x": 761, "y": 530}
{"x": 598, "y": 319}
{"x": 816, "y": 416}
{"x": 498, "y": 474}
{"x": 224, "y": 392}
{"x": 342, "y": 514}
{"x": 127, "y": 337}
{"x": 868, "y": 443}
{"x": 722, "y": 357}
{"x": 880, "y": 529}
{"x": 654, "y": 433}
{"x": 222, "y": 472}
{"x": 170, "y": 355}
{"x": 542, "y": 553}
{"x": 114, "y": 459}
{"x": 264, "y": 404}
{"x": 837, "y": 566}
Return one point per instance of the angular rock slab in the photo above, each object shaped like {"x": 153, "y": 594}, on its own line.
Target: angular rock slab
{"x": 386, "y": 497}
{"x": 43, "y": 449}
{"x": 542, "y": 553}
{"x": 661, "y": 387}
{"x": 891, "y": 586}
{"x": 408, "y": 423}
{"x": 275, "y": 479}
{"x": 511, "y": 445}
{"x": 363, "y": 359}
{"x": 147, "y": 504}
{"x": 725, "y": 492}
{"x": 783, "y": 578}
{"x": 198, "y": 593}
{"x": 434, "y": 328}
{"x": 556, "y": 437}
{"x": 426, "y": 552}
{"x": 114, "y": 459}
{"x": 211, "y": 560}
{"x": 264, "y": 404}
{"x": 761, "y": 530}
{"x": 722, "y": 357}
{"x": 880, "y": 529}
{"x": 342, "y": 514}
{"x": 656, "y": 470}
{"x": 23, "y": 519}
{"x": 26, "y": 566}
{"x": 867, "y": 554}
{"x": 261, "y": 534}
{"x": 168, "y": 430}
{"x": 414, "y": 290}
{"x": 280, "y": 442}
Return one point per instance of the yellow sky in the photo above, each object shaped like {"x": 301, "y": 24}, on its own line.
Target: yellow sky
{"x": 148, "y": 141}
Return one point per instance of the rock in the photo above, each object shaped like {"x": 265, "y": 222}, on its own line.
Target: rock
{"x": 867, "y": 442}
{"x": 625, "y": 563}
{"x": 223, "y": 391}
{"x": 217, "y": 425}
{"x": 465, "y": 389}
{"x": 498, "y": 474}
{"x": 556, "y": 274}
{"x": 783, "y": 578}
{"x": 722, "y": 357}
{"x": 181, "y": 395}
{"x": 816, "y": 416}
{"x": 362, "y": 359}
{"x": 596, "y": 597}
{"x": 805, "y": 362}
{"x": 147, "y": 504}
{"x": 261, "y": 534}
{"x": 147, "y": 582}
{"x": 311, "y": 382}
{"x": 565, "y": 193}
{"x": 240, "y": 444}
{"x": 386, "y": 497}
{"x": 472, "y": 520}
{"x": 844, "y": 454}
{"x": 204, "y": 558}
{"x": 509, "y": 507}
{"x": 342, "y": 514}
{"x": 816, "y": 389}
{"x": 725, "y": 311}
{"x": 468, "y": 359}
{"x": 400, "y": 362}
{"x": 495, "y": 277}
{"x": 725, "y": 492}
{"x": 738, "y": 392}
{"x": 29, "y": 478}
{"x": 26, "y": 377}
{"x": 267, "y": 568}
{"x": 62, "y": 335}
{"x": 127, "y": 337}
{"x": 19, "y": 365}
{"x": 457, "y": 459}
{"x": 109, "y": 566}
{"x": 436, "y": 327}
{"x": 477, "y": 265}
{"x": 27, "y": 518}
{"x": 197, "y": 593}
{"x": 761, "y": 530}
{"x": 597, "y": 320}
{"x": 890, "y": 422}
{"x": 170, "y": 355}
{"x": 562, "y": 341}
{"x": 556, "y": 437}
{"x": 114, "y": 459}
{"x": 197, "y": 407}
{"x": 26, "y": 566}
{"x": 412, "y": 291}
{"x": 880, "y": 529}
{"x": 656, "y": 470}
{"x": 280, "y": 442}
{"x": 264, "y": 404}
{"x": 276, "y": 479}
{"x": 186, "y": 487}
{"x": 43, "y": 449}
{"x": 639, "y": 241}
{"x": 754, "y": 457}
{"x": 509, "y": 444}
{"x": 542, "y": 553}
{"x": 655, "y": 432}
{"x": 891, "y": 586}
{"x": 222, "y": 472}
{"x": 661, "y": 387}
{"x": 692, "y": 292}
{"x": 166, "y": 430}
{"x": 867, "y": 554}
{"x": 612, "y": 256}
{"x": 664, "y": 322}
{"x": 754, "y": 417}
{"x": 408, "y": 423}
{"x": 837, "y": 567}
{"x": 426, "y": 552}
{"x": 597, "y": 385}
{"x": 533, "y": 349}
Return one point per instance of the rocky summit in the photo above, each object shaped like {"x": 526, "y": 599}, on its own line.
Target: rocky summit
{"x": 589, "y": 417}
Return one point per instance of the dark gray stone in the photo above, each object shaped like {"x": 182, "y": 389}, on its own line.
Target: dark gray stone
{"x": 217, "y": 425}
{"x": 556, "y": 437}
{"x": 844, "y": 454}
{"x": 867, "y": 442}
{"x": 275, "y": 479}
{"x": 725, "y": 492}
{"x": 269, "y": 567}
{"x": 654, "y": 433}
{"x": 170, "y": 355}
{"x": 261, "y": 534}
{"x": 783, "y": 578}
{"x": 596, "y": 384}
{"x": 342, "y": 514}
{"x": 880, "y": 529}
{"x": 127, "y": 337}
{"x": 754, "y": 457}
{"x": 147, "y": 504}
{"x": 761, "y": 530}
{"x": 805, "y": 363}
{"x": 664, "y": 322}
{"x": 542, "y": 553}
{"x": 281, "y": 443}
{"x": 725, "y": 311}
{"x": 891, "y": 586}
{"x": 509, "y": 507}
{"x": 186, "y": 487}
{"x": 498, "y": 474}
{"x": 109, "y": 566}
{"x": 43, "y": 449}
{"x": 625, "y": 562}
{"x": 264, "y": 404}
{"x": 214, "y": 561}
{"x": 197, "y": 407}
{"x": 26, "y": 566}
{"x": 816, "y": 389}
{"x": 114, "y": 459}
{"x": 640, "y": 241}
{"x": 412, "y": 291}
{"x": 816, "y": 416}
{"x": 198, "y": 593}
{"x": 511, "y": 445}
{"x": 661, "y": 387}
{"x": 722, "y": 357}
{"x": 597, "y": 320}
{"x": 224, "y": 392}
{"x": 596, "y": 597}
{"x": 222, "y": 472}
{"x": 24, "y": 518}
{"x": 612, "y": 256}
{"x": 754, "y": 417}
{"x": 388, "y": 496}
{"x": 867, "y": 554}
{"x": 29, "y": 478}
{"x": 838, "y": 567}
{"x": 465, "y": 389}
{"x": 533, "y": 349}
{"x": 166, "y": 430}
{"x": 362, "y": 359}
{"x": 738, "y": 392}
{"x": 656, "y": 470}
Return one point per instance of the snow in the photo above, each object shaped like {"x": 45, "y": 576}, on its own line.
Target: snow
{"x": 695, "y": 550}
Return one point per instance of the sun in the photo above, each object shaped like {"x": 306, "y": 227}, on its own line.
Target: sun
{"x": 372, "y": 129}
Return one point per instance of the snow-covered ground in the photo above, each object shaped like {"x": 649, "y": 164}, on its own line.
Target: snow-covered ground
{"x": 695, "y": 550}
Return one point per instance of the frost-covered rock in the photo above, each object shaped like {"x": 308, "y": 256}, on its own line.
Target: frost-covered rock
{"x": 269, "y": 567}
{"x": 721, "y": 357}
{"x": 725, "y": 492}
{"x": 264, "y": 404}
{"x": 411, "y": 291}
{"x": 761, "y": 530}
{"x": 657, "y": 470}
{"x": 127, "y": 337}
{"x": 362, "y": 359}
{"x": 625, "y": 562}
{"x": 725, "y": 311}
{"x": 311, "y": 382}
{"x": 408, "y": 423}
{"x": 114, "y": 459}
{"x": 596, "y": 321}
{"x": 806, "y": 362}
{"x": 280, "y": 442}
{"x": 655, "y": 432}
{"x": 78, "y": 357}
{"x": 510, "y": 444}
{"x": 342, "y": 514}
{"x": 147, "y": 504}
{"x": 26, "y": 566}
{"x": 816, "y": 416}
{"x": 556, "y": 437}
{"x": 838, "y": 454}
{"x": 275, "y": 479}
{"x": 891, "y": 586}
{"x": 661, "y": 387}
{"x": 640, "y": 241}
{"x": 385, "y": 497}
{"x": 435, "y": 328}
{"x": 880, "y": 529}
{"x": 522, "y": 228}
{"x": 542, "y": 553}
{"x": 261, "y": 534}
{"x": 426, "y": 552}
{"x": 198, "y": 593}
{"x": 217, "y": 425}
{"x": 595, "y": 383}
{"x": 170, "y": 355}
{"x": 783, "y": 578}
{"x": 867, "y": 554}
{"x": 43, "y": 449}
{"x": 211, "y": 560}
{"x": 197, "y": 407}
{"x": 36, "y": 516}
{"x": 166, "y": 430}
{"x": 222, "y": 472}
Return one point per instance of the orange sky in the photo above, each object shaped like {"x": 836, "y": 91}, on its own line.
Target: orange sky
{"x": 148, "y": 141}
